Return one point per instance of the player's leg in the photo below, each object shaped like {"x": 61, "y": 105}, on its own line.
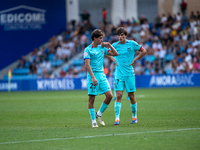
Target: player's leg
{"x": 92, "y": 92}
{"x": 118, "y": 105}
{"x": 92, "y": 110}
{"x": 133, "y": 104}
{"x": 119, "y": 87}
{"x": 103, "y": 107}
{"x": 105, "y": 103}
{"x": 130, "y": 88}
{"x": 104, "y": 88}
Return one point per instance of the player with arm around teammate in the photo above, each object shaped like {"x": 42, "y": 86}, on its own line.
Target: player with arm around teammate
{"x": 96, "y": 79}
{"x": 124, "y": 75}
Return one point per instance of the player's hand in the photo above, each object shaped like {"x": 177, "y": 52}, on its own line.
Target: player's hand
{"x": 114, "y": 60}
{"x": 94, "y": 81}
{"x": 132, "y": 63}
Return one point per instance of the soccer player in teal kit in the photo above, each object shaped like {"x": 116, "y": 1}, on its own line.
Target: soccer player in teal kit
{"x": 124, "y": 75}
{"x": 96, "y": 79}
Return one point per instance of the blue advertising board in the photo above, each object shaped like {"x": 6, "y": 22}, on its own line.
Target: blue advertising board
{"x": 143, "y": 81}
{"x": 27, "y": 24}
{"x": 176, "y": 80}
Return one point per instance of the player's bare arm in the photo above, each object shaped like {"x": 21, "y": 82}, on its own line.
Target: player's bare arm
{"x": 112, "y": 59}
{"x": 142, "y": 52}
{"x": 89, "y": 69}
{"x": 112, "y": 69}
{"x": 113, "y": 52}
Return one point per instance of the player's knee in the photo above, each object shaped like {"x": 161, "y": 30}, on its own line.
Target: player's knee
{"x": 109, "y": 96}
{"x": 119, "y": 96}
{"x": 91, "y": 99}
{"x": 131, "y": 95}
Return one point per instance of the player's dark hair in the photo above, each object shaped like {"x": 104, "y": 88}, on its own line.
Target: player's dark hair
{"x": 121, "y": 30}
{"x": 96, "y": 33}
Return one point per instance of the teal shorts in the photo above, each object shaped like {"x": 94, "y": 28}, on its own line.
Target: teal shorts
{"x": 102, "y": 87}
{"x": 127, "y": 81}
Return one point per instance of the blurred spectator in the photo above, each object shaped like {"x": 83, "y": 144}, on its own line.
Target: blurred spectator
{"x": 178, "y": 16}
{"x": 192, "y": 15}
{"x": 46, "y": 65}
{"x": 67, "y": 49}
{"x": 197, "y": 54}
{"x": 195, "y": 66}
{"x": 142, "y": 19}
{"x": 22, "y": 62}
{"x": 33, "y": 68}
{"x": 138, "y": 68}
{"x": 198, "y": 14}
{"x": 188, "y": 60}
{"x": 158, "y": 21}
{"x": 85, "y": 16}
{"x": 145, "y": 25}
{"x": 62, "y": 73}
{"x": 156, "y": 44}
{"x": 183, "y": 6}
{"x": 163, "y": 18}
{"x": 59, "y": 54}
{"x": 104, "y": 17}
{"x": 74, "y": 71}
{"x": 83, "y": 40}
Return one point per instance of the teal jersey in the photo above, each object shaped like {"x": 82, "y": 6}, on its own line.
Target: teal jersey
{"x": 96, "y": 56}
{"x": 126, "y": 55}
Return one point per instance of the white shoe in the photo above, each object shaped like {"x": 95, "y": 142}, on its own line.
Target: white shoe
{"x": 100, "y": 120}
{"x": 94, "y": 125}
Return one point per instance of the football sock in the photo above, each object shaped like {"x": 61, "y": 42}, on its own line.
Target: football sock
{"x": 94, "y": 121}
{"x": 117, "y": 110}
{"x": 114, "y": 93}
{"x": 134, "y": 110}
{"x": 92, "y": 113}
{"x": 102, "y": 109}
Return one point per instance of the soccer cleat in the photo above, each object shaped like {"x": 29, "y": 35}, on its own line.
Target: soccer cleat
{"x": 134, "y": 120}
{"x": 116, "y": 122}
{"x": 114, "y": 99}
{"x": 94, "y": 125}
{"x": 100, "y": 120}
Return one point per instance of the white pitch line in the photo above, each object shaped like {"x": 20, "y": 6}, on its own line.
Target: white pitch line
{"x": 140, "y": 96}
{"x": 95, "y": 136}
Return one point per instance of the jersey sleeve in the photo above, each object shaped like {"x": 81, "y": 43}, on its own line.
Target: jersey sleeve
{"x": 106, "y": 51}
{"x": 86, "y": 54}
{"x": 136, "y": 46}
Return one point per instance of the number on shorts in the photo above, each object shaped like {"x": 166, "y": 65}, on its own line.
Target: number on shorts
{"x": 117, "y": 81}
{"x": 92, "y": 86}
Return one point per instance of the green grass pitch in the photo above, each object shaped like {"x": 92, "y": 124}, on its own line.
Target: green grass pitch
{"x": 168, "y": 119}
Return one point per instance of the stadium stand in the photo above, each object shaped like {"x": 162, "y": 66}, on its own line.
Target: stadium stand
{"x": 172, "y": 42}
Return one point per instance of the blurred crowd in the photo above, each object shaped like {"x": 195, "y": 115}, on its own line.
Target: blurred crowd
{"x": 172, "y": 43}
